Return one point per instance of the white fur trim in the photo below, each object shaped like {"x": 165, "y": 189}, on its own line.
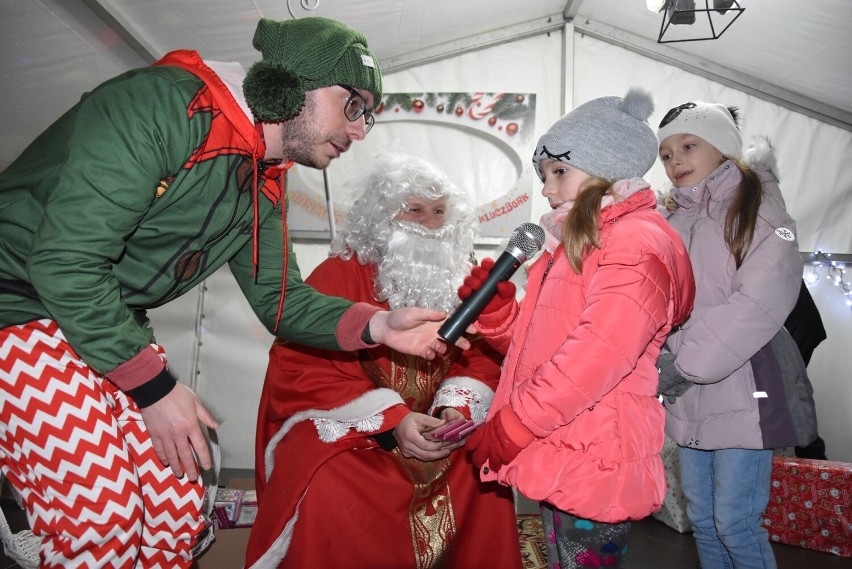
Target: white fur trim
{"x": 331, "y": 431}
{"x": 761, "y": 153}
{"x": 464, "y": 392}
{"x": 361, "y": 410}
{"x": 276, "y": 553}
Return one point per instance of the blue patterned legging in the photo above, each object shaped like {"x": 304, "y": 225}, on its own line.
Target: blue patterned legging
{"x": 573, "y": 543}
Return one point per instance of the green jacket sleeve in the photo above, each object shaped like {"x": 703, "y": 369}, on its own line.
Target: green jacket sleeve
{"x": 309, "y": 317}
{"x": 120, "y": 140}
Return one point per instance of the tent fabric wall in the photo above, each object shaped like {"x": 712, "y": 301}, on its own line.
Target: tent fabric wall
{"x": 221, "y": 349}
{"x": 813, "y": 156}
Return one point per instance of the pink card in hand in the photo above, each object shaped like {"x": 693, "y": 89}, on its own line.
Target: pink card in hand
{"x": 454, "y": 430}
{"x": 438, "y": 433}
{"x": 472, "y": 426}
{"x": 453, "y": 434}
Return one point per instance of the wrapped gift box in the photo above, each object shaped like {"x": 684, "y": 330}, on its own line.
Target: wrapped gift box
{"x": 809, "y": 504}
{"x": 673, "y": 510}
{"x": 235, "y": 505}
{"x": 226, "y": 507}
{"x": 247, "y": 511}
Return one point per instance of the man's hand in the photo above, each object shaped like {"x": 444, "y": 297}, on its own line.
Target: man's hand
{"x": 412, "y": 443}
{"x": 172, "y": 423}
{"x": 413, "y": 331}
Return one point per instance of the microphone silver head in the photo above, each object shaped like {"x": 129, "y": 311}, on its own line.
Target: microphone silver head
{"x": 528, "y": 239}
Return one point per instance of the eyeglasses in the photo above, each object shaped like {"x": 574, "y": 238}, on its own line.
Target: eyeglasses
{"x": 673, "y": 113}
{"x": 356, "y": 107}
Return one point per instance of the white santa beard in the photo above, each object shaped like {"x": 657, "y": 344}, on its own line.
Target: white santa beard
{"x": 421, "y": 268}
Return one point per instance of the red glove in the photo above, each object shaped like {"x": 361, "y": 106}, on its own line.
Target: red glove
{"x": 500, "y": 440}
{"x": 478, "y": 275}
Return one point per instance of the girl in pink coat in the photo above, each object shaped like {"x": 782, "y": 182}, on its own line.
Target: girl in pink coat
{"x": 575, "y": 422}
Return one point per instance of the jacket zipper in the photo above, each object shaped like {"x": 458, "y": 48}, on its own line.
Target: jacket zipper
{"x": 523, "y": 344}
{"x": 547, "y": 269}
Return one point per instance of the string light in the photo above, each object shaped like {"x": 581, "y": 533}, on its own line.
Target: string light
{"x": 823, "y": 267}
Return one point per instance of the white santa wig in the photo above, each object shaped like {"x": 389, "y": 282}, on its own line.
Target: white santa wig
{"x": 392, "y": 178}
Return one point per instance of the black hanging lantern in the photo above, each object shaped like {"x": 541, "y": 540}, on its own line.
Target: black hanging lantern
{"x": 707, "y": 23}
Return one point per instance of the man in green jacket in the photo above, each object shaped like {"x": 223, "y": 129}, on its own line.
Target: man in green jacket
{"x": 139, "y": 192}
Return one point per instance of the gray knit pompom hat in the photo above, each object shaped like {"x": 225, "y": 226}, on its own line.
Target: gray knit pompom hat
{"x": 607, "y": 137}
{"x": 305, "y": 54}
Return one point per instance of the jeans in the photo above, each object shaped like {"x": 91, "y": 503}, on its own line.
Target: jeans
{"x": 727, "y": 492}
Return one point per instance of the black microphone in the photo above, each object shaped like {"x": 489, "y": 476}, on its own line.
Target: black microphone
{"x": 525, "y": 242}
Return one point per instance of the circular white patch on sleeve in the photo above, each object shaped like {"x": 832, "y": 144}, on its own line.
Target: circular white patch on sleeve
{"x": 785, "y": 234}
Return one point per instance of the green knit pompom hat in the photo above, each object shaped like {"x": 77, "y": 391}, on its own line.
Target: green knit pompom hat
{"x": 305, "y": 54}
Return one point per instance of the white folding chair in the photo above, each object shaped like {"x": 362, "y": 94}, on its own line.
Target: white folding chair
{"x": 23, "y": 546}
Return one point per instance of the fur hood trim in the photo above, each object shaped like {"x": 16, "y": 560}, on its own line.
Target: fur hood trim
{"x": 760, "y": 152}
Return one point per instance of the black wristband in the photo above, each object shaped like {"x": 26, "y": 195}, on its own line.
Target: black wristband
{"x": 386, "y": 440}
{"x": 365, "y": 335}
{"x": 154, "y": 389}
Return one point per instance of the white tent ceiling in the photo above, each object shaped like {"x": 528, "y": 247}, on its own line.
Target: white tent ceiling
{"x": 791, "y": 52}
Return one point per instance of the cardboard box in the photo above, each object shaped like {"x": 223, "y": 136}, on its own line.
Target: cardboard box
{"x": 229, "y": 549}
{"x": 809, "y": 504}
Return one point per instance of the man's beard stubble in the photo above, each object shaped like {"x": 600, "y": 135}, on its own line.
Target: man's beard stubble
{"x": 302, "y": 137}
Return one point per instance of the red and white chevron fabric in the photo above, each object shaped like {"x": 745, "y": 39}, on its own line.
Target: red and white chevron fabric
{"x": 77, "y": 450}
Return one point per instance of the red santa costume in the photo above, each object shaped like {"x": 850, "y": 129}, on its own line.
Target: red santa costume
{"x": 320, "y": 499}
{"x": 330, "y": 495}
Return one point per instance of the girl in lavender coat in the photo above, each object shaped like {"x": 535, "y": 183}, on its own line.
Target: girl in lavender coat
{"x": 734, "y": 381}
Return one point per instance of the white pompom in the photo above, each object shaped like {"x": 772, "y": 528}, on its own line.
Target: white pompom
{"x": 760, "y": 152}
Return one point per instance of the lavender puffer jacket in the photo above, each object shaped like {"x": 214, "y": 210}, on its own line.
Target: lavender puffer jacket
{"x": 740, "y": 399}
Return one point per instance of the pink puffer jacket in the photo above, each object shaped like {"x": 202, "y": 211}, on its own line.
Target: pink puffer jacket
{"x": 580, "y": 369}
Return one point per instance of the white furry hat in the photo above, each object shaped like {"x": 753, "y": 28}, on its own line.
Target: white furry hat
{"x": 713, "y": 122}
{"x": 607, "y": 137}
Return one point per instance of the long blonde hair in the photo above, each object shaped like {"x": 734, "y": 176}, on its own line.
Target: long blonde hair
{"x": 580, "y": 233}
{"x": 741, "y": 217}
